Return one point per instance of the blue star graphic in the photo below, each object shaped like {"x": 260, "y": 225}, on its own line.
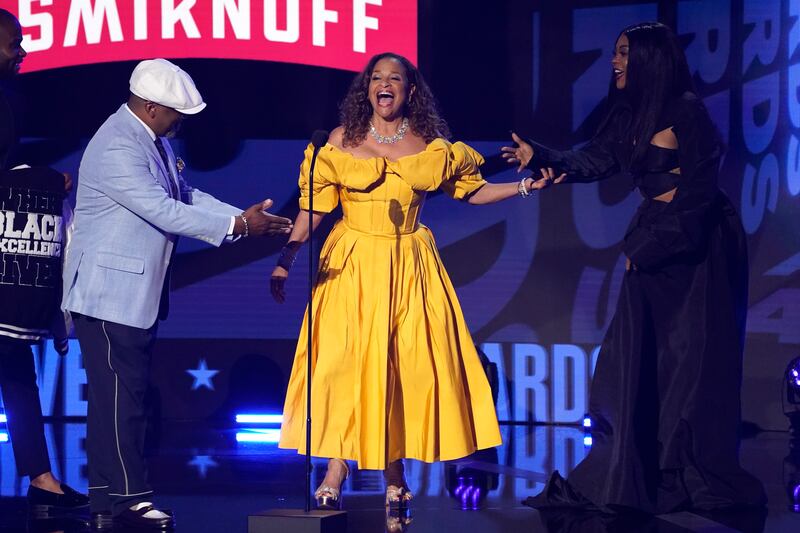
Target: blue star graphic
{"x": 202, "y": 376}
{"x": 203, "y": 463}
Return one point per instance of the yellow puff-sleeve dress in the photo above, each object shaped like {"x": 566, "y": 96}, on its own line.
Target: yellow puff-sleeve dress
{"x": 395, "y": 373}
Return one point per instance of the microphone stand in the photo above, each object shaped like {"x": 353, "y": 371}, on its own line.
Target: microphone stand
{"x": 307, "y": 520}
{"x": 309, "y": 328}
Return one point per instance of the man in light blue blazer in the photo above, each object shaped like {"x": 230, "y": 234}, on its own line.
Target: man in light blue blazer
{"x": 131, "y": 206}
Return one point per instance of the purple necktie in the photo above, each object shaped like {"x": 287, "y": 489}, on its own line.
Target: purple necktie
{"x": 173, "y": 193}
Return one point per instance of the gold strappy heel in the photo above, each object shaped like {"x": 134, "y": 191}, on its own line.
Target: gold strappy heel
{"x": 331, "y": 497}
{"x": 398, "y": 498}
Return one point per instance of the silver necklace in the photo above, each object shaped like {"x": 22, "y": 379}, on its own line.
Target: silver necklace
{"x": 398, "y": 136}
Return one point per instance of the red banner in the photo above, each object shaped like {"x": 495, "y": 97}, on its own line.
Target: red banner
{"x": 339, "y": 34}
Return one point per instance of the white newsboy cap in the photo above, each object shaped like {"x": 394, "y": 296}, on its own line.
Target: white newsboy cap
{"x": 162, "y": 82}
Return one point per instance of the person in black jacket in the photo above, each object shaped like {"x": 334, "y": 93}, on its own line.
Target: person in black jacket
{"x": 11, "y": 56}
{"x": 31, "y": 239}
{"x": 665, "y": 403}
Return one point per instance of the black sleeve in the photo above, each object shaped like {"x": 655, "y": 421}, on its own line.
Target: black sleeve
{"x": 8, "y": 136}
{"x": 596, "y": 160}
{"x": 682, "y": 226}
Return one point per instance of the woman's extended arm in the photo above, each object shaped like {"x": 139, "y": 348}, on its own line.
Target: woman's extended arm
{"x": 592, "y": 162}
{"x": 596, "y": 160}
{"x": 496, "y": 192}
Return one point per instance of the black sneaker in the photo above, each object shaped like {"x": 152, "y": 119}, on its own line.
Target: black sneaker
{"x": 46, "y": 504}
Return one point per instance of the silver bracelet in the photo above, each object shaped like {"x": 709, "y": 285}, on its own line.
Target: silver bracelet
{"x": 522, "y": 189}
{"x": 246, "y": 227}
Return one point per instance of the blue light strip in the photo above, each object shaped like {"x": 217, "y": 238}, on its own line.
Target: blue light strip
{"x": 270, "y": 436}
{"x": 259, "y": 419}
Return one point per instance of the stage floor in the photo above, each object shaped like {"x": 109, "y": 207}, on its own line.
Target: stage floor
{"x": 213, "y": 479}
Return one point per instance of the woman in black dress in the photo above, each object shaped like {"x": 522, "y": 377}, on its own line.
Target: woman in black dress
{"x": 665, "y": 402}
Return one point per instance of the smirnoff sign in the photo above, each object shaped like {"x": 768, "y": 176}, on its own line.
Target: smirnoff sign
{"x": 331, "y": 33}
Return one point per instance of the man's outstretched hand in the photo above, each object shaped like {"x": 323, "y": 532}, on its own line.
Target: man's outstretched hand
{"x": 261, "y": 223}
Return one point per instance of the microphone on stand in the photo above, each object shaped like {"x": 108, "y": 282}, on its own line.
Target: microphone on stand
{"x": 318, "y": 140}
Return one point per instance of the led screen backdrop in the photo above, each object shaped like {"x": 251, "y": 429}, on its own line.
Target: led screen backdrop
{"x": 537, "y": 278}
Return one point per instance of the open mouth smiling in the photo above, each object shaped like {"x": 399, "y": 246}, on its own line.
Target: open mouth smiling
{"x": 385, "y": 98}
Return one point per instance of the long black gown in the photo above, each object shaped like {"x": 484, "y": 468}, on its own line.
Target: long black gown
{"x": 665, "y": 398}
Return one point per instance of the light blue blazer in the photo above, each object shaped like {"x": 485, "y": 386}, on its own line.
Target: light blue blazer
{"x": 126, "y": 224}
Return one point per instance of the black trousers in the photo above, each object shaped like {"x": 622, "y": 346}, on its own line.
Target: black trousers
{"x": 117, "y": 362}
{"x": 24, "y": 412}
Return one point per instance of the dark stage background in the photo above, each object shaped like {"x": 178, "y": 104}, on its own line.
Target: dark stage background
{"x": 538, "y": 278}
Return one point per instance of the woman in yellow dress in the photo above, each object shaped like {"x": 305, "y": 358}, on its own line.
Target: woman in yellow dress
{"x": 395, "y": 373}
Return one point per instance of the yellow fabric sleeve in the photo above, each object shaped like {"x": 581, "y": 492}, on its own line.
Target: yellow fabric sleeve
{"x": 326, "y": 192}
{"x": 464, "y": 176}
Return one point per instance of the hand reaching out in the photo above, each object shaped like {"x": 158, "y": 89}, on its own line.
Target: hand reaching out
{"x": 519, "y": 155}
{"x": 260, "y": 223}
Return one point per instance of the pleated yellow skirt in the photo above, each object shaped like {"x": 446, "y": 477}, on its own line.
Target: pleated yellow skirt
{"x": 395, "y": 373}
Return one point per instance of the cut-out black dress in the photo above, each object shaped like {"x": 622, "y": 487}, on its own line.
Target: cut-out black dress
{"x": 665, "y": 397}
